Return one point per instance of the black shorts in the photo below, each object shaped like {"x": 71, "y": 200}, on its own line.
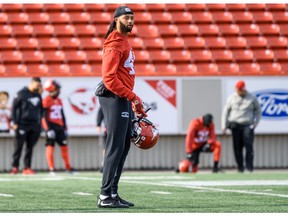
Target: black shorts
{"x": 60, "y": 138}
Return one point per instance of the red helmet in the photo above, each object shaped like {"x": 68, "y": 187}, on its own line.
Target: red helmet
{"x": 184, "y": 166}
{"x": 51, "y": 85}
{"x": 145, "y": 133}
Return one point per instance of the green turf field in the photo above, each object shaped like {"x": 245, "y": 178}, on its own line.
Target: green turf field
{"x": 261, "y": 191}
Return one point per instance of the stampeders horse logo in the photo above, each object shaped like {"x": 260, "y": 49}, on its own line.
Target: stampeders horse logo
{"x": 274, "y": 103}
{"x": 83, "y": 101}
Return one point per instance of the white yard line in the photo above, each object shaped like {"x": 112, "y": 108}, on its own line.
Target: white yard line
{"x": 6, "y": 195}
{"x": 82, "y": 194}
{"x": 32, "y": 179}
{"x": 161, "y": 192}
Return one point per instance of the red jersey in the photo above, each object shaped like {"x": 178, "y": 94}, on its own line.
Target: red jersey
{"x": 118, "y": 65}
{"x": 54, "y": 111}
{"x": 198, "y": 134}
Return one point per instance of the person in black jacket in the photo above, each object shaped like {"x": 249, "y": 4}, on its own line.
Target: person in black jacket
{"x": 26, "y": 116}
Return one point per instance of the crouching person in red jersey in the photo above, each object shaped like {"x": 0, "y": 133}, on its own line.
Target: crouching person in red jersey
{"x": 55, "y": 125}
{"x": 201, "y": 138}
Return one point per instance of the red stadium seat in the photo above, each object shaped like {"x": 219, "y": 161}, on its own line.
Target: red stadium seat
{"x": 174, "y": 43}
{"x": 91, "y": 43}
{"x": 263, "y": 54}
{"x": 154, "y": 43}
{"x": 281, "y": 54}
{"x": 37, "y": 70}
{"x": 181, "y": 56}
{"x": 280, "y": 16}
{"x": 252, "y": 7}
{"x": 111, "y": 7}
{"x": 250, "y": 68}
{"x": 188, "y": 29}
{"x": 161, "y": 17}
{"x": 101, "y": 30}
{"x": 236, "y": 42}
{"x": 94, "y": 56}
{"x": 167, "y": 30}
{"x": 242, "y": 55}
{"x": 207, "y": 69}
{"x": 175, "y": 7}
{"x": 74, "y": 7}
{"x": 222, "y": 55}
{"x": 256, "y": 42}
{"x": 3, "y": 18}
{"x": 2, "y": 70}
{"x": 269, "y": 29}
{"x": 147, "y": 31}
{"x": 43, "y": 30}
{"x": 216, "y": 7}
{"x": 222, "y": 17}
{"x": 54, "y": 56}
{"x": 96, "y": 68}
{"x": 284, "y": 67}
{"x": 194, "y": 42}
{"x": 80, "y": 70}
{"x": 17, "y": 18}
{"x": 275, "y": 7}
{"x": 59, "y": 17}
{"x": 12, "y": 7}
{"x": 142, "y": 56}
{"x": 101, "y": 18}
{"x": 22, "y": 30}
{"x": 143, "y": 17}
{"x": 8, "y": 43}
{"x": 11, "y": 56}
{"x": 156, "y": 7}
{"x": 215, "y": 42}
{"x": 53, "y": 7}
{"x": 283, "y": 29}
{"x": 228, "y": 68}
{"x": 270, "y": 68}
{"x": 5, "y": 30}
{"x": 188, "y": 69}
{"x": 144, "y": 69}
{"x": 242, "y": 16}
{"x": 69, "y": 43}
{"x": 16, "y": 70}
{"x": 202, "y": 17}
{"x": 160, "y": 56}
{"x": 277, "y": 42}
{"x": 75, "y": 56}
{"x": 48, "y": 43}
{"x": 229, "y": 29}
{"x": 136, "y": 43}
{"x": 201, "y": 55}
{"x": 181, "y": 17}
{"x": 196, "y": 7}
{"x": 236, "y": 7}
{"x": 165, "y": 69}
{"x": 85, "y": 30}
{"x": 208, "y": 29}
{"x": 33, "y": 7}
{"x": 27, "y": 43}
{"x": 58, "y": 70}
{"x": 79, "y": 17}
{"x": 137, "y": 7}
{"x": 64, "y": 30}
{"x": 94, "y": 7}
{"x": 249, "y": 29}
{"x": 262, "y": 16}
{"x": 36, "y": 18}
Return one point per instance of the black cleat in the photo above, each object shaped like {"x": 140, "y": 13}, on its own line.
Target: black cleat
{"x": 110, "y": 203}
{"x": 125, "y": 202}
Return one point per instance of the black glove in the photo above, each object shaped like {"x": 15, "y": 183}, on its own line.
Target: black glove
{"x": 189, "y": 156}
{"x": 206, "y": 148}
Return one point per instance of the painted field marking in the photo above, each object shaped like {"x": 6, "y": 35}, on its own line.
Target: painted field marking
{"x": 82, "y": 194}
{"x": 6, "y": 195}
{"x": 31, "y": 179}
{"x": 161, "y": 192}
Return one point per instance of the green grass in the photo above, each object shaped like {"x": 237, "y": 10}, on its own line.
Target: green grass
{"x": 41, "y": 193}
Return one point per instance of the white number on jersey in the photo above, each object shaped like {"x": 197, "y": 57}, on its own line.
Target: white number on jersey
{"x": 55, "y": 112}
{"x": 129, "y": 63}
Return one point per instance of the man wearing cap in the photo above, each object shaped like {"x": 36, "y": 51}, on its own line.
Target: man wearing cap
{"x": 117, "y": 100}
{"x": 241, "y": 115}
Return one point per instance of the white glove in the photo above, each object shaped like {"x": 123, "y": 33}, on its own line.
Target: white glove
{"x": 51, "y": 134}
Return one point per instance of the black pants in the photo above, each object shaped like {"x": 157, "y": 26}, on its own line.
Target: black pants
{"x": 243, "y": 136}
{"x": 118, "y": 120}
{"x": 29, "y": 134}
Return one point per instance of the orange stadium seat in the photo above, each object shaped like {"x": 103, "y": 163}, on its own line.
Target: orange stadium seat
{"x": 33, "y": 7}
{"x": 136, "y": 43}
{"x": 167, "y": 30}
{"x": 143, "y": 17}
{"x": 10, "y": 56}
{"x": 181, "y": 17}
{"x": 175, "y": 7}
{"x": 94, "y": 56}
{"x": 5, "y": 30}
{"x": 101, "y": 30}
{"x": 256, "y": 41}
{"x": 181, "y": 56}
{"x": 54, "y": 56}
{"x": 243, "y": 55}
{"x": 64, "y": 30}
{"x": 27, "y": 43}
{"x": 147, "y": 31}
{"x": 96, "y": 69}
{"x": 112, "y": 7}
{"x": 252, "y": 7}
{"x": 75, "y": 56}
{"x": 85, "y": 30}
{"x": 53, "y": 7}
{"x": 242, "y": 16}
{"x": 36, "y": 18}
{"x": 22, "y": 30}
{"x": 3, "y": 18}
{"x": 74, "y": 7}
{"x": 236, "y": 42}
{"x": 91, "y": 43}
{"x": 16, "y": 70}
{"x": 222, "y": 17}
{"x": 281, "y": 54}
{"x": 215, "y": 7}
{"x": 249, "y": 68}
{"x": 43, "y": 30}
{"x": 2, "y": 70}
{"x": 275, "y": 7}
{"x": 187, "y": 69}
{"x": 161, "y": 17}
{"x": 269, "y": 29}
{"x": 48, "y": 43}
{"x": 280, "y": 16}
{"x": 236, "y": 7}
{"x": 196, "y": 7}
{"x": 154, "y": 43}
{"x": 69, "y": 43}
{"x": 222, "y": 55}
{"x": 202, "y": 17}
{"x": 156, "y": 7}
{"x": 160, "y": 56}
{"x": 12, "y": 7}
{"x": 188, "y": 29}
{"x": 229, "y": 29}
{"x": 58, "y": 70}
{"x": 144, "y": 69}
{"x": 215, "y": 42}
{"x": 270, "y": 68}
{"x": 207, "y": 69}
{"x": 37, "y": 69}
{"x": 249, "y": 29}
{"x": 277, "y": 42}
{"x": 101, "y": 17}
{"x": 142, "y": 56}
{"x": 80, "y": 70}
{"x": 263, "y": 54}
{"x": 165, "y": 69}
{"x": 174, "y": 43}
{"x": 94, "y": 7}
{"x": 283, "y": 28}
{"x": 18, "y": 18}
{"x": 262, "y": 16}
{"x": 226, "y": 68}
{"x": 201, "y": 55}
{"x": 284, "y": 67}
{"x": 137, "y": 7}
{"x": 194, "y": 42}
{"x": 59, "y": 17}
{"x": 8, "y": 43}
{"x": 79, "y": 17}
{"x": 208, "y": 29}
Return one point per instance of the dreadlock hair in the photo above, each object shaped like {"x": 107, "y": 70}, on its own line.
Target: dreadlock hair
{"x": 111, "y": 28}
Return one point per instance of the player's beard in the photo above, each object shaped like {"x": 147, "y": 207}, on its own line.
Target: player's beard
{"x": 125, "y": 28}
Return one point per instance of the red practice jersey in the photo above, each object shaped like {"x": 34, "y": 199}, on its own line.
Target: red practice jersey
{"x": 198, "y": 134}
{"x": 118, "y": 65}
{"x": 54, "y": 112}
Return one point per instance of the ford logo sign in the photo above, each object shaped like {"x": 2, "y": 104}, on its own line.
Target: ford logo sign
{"x": 274, "y": 103}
